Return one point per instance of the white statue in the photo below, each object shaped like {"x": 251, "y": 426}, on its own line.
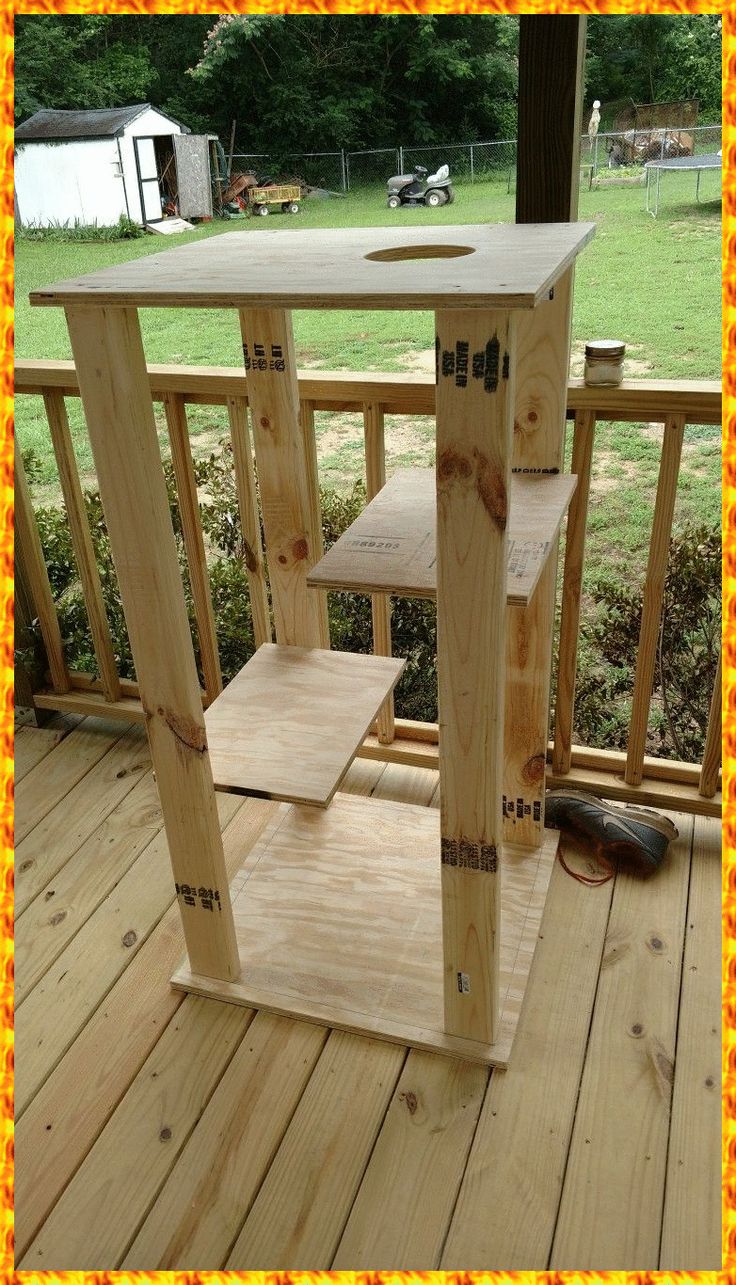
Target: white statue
{"x": 595, "y": 120}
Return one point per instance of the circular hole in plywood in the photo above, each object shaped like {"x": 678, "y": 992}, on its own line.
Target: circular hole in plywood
{"x": 397, "y": 253}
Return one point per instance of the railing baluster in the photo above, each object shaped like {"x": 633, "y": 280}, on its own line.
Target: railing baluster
{"x": 306, "y": 419}
{"x": 375, "y": 478}
{"x": 81, "y": 537}
{"x": 29, "y": 554}
{"x": 191, "y": 525}
{"x": 582, "y": 456}
{"x": 664, "y": 509}
{"x": 708, "y": 783}
{"x": 249, "y": 520}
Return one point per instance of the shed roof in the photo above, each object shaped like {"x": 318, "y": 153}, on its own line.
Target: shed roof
{"x": 107, "y": 123}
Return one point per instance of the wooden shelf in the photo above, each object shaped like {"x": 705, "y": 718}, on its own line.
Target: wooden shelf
{"x": 290, "y": 723}
{"x": 392, "y": 546}
{"x": 338, "y": 920}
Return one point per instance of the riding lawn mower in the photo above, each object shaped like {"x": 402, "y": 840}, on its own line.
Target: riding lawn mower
{"x": 418, "y": 188}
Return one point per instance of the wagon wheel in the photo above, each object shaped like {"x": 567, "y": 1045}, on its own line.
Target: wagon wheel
{"x": 261, "y": 209}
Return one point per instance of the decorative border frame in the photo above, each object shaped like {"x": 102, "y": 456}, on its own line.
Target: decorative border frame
{"x": 7, "y": 11}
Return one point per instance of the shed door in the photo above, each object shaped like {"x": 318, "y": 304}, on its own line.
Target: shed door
{"x": 193, "y": 175}
{"x": 148, "y": 185}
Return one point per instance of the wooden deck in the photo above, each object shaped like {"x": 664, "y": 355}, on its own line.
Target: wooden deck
{"x": 158, "y": 1130}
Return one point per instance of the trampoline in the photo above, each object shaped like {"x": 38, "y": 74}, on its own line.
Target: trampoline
{"x": 694, "y": 164}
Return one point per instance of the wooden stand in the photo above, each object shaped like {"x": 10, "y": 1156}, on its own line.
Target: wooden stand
{"x": 335, "y": 916}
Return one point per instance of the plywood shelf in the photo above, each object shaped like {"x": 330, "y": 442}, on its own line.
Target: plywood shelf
{"x": 290, "y": 723}
{"x": 392, "y": 546}
{"x": 338, "y": 921}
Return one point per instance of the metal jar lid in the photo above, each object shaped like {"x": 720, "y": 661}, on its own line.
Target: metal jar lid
{"x": 605, "y": 348}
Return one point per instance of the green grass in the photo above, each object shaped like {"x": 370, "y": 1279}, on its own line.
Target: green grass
{"x": 653, "y": 283}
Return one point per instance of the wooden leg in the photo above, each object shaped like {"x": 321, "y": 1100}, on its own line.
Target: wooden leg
{"x": 375, "y": 478}
{"x": 539, "y": 438}
{"x": 114, "y": 385}
{"x": 290, "y": 512}
{"x": 475, "y": 366}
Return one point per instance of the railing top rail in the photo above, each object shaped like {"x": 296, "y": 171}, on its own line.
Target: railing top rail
{"x": 699, "y": 400}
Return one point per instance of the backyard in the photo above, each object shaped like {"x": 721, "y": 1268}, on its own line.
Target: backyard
{"x": 653, "y": 283}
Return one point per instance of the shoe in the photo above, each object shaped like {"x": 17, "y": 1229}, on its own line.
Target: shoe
{"x": 631, "y": 836}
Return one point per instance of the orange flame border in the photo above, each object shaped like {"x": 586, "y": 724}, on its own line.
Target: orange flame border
{"x": 6, "y": 682}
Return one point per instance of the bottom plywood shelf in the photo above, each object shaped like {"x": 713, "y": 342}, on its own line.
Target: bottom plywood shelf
{"x": 338, "y": 920}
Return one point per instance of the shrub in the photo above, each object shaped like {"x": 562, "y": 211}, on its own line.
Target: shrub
{"x": 688, "y": 643}
{"x": 124, "y": 230}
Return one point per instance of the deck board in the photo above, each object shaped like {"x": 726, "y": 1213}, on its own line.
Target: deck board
{"x": 298, "y": 1153}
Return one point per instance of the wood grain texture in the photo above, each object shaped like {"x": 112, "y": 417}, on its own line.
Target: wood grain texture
{"x": 304, "y": 1202}
{"x": 32, "y": 744}
{"x": 48, "y": 783}
{"x": 250, "y": 522}
{"x": 124, "y": 1170}
{"x": 29, "y": 555}
{"x": 375, "y": 480}
{"x": 140, "y": 1003}
{"x": 339, "y": 922}
{"x": 712, "y": 753}
{"x": 582, "y": 459}
{"x": 191, "y": 526}
{"x": 409, "y": 1189}
{"x": 646, "y": 656}
{"x": 539, "y": 437}
{"x": 206, "y": 1198}
{"x": 289, "y": 724}
{"x": 551, "y": 59}
{"x": 691, "y": 1226}
{"x": 507, "y": 1208}
{"x": 291, "y": 517}
{"x": 392, "y": 545}
{"x": 66, "y": 903}
{"x": 109, "y": 357}
{"x": 476, "y": 362}
{"x": 81, "y": 538}
{"x": 400, "y": 393}
{"x": 611, "y": 1207}
{"x": 507, "y": 267}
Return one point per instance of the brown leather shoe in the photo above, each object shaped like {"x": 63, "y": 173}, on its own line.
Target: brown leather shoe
{"x": 628, "y": 835}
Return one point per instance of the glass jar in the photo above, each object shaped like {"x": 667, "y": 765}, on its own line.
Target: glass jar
{"x": 604, "y": 361}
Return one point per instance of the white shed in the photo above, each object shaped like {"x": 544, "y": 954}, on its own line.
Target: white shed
{"x": 94, "y": 166}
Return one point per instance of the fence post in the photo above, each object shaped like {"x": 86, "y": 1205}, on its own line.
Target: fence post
{"x": 347, "y": 170}
{"x": 400, "y": 170}
{"x": 472, "y": 167}
{"x": 343, "y": 170}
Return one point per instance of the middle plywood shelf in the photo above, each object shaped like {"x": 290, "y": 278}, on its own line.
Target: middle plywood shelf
{"x": 392, "y": 546}
{"x": 290, "y": 723}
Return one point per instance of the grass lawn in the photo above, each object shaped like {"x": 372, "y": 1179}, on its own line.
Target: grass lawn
{"x": 653, "y": 283}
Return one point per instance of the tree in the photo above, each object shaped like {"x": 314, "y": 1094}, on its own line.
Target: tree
{"x": 647, "y": 58}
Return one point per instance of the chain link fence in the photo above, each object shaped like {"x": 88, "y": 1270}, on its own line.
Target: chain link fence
{"x": 472, "y": 162}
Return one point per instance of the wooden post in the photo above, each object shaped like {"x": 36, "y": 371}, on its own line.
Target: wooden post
{"x": 29, "y": 554}
{"x": 191, "y": 526}
{"x": 551, "y": 59}
{"x": 292, "y": 527}
{"x": 475, "y": 400}
{"x": 659, "y": 547}
{"x": 539, "y": 437}
{"x": 708, "y": 783}
{"x": 250, "y": 523}
{"x": 375, "y": 479}
{"x": 114, "y": 385}
{"x": 582, "y": 459}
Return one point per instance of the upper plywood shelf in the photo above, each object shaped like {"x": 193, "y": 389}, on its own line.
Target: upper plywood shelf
{"x": 466, "y": 266}
{"x": 392, "y": 546}
{"x": 290, "y": 723}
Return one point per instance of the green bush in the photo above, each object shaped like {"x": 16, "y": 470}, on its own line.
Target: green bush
{"x": 124, "y": 230}
{"x": 687, "y": 652}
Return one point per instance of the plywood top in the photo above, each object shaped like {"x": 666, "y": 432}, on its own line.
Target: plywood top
{"x": 392, "y": 546}
{"x": 466, "y": 266}
{"x": 290, "y": 723}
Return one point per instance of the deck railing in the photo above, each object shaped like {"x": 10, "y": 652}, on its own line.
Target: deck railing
{"x": 625, "y": 776}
